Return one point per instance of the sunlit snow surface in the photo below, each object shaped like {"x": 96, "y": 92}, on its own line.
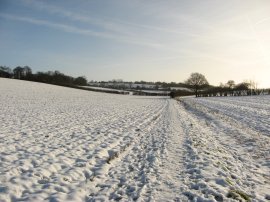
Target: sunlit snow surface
{"x": 61, "y": 144}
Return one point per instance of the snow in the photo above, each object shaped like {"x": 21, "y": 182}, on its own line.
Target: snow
{"x": 63, "y": 144}
{"x": 105, "y": 89}
{"x": 155, "y": 91}
{"x": 117, "y": 90}
{"x": 181, "y": 88}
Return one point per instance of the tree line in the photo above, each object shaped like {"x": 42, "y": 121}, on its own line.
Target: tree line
{"x": 201, "y": 88}
{"x": 52, "y": 77}
{"x": 197, "y": 83}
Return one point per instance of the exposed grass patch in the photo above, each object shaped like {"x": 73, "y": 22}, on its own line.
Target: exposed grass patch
{"x": 229, "y": 181}
{"x": 238, "y": 195}
{"x": 112, "y": 155}
{"x": 224, "y": 168}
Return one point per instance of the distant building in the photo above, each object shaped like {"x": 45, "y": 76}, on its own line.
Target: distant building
{"x": 124, "y": 85}
{"x": 180, "y": 88}
{"x": 143, "y": 86}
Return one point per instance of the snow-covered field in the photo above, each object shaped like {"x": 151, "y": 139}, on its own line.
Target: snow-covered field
{"x": 62, "y": 144}
{"x": 105, "y": 89}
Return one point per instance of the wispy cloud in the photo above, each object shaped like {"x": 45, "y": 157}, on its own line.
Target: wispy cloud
{"x": 136, "y": 33}
{"x": 70, "y": 15}
{"x": 259, "y": 43}
{"x": 112, "y": 25}
{"x": 262, "y": 21}
{"x": 66, "y": 28}
{"x": 77, "y": 30}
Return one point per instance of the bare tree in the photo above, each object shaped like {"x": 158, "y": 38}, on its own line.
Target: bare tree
{"x": 253, "y": 86}
{"x": 18, "y": 72}
{"x": 27, "y": 70}
{"x": 230, "y": 84}
{"x": 242, "y": 86}
{"x": 197, "y": 81}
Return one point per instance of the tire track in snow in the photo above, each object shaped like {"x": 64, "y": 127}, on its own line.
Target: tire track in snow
{"x": 118, "y": 177}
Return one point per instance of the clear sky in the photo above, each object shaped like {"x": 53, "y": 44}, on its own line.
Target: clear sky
{"x": 153, "y": 40}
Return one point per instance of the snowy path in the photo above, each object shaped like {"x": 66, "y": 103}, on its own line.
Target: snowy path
{"x": 61, "y": 144}
{"x": 152, "y": 169}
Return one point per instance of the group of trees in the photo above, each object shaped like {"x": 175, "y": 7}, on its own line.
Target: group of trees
{"x": 226, "y": 90}
{"x": 5, "y": 72}
{"x": 17, "y": 73}
{"x": 200, "y": 86}
{"x": 53, "y": 77}
{"x": 22, "y": 72}
{"x": 56, "y": 77}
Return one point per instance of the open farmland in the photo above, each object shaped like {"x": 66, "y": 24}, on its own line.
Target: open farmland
{"x": 62, "y": 144}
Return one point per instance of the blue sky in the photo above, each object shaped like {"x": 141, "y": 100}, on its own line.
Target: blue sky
{"x": 152, "y": 40}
